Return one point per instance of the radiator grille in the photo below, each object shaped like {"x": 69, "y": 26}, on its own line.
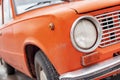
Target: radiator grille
{"x": 110, "y": 23}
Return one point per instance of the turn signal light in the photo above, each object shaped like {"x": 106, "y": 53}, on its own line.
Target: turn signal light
{"x": 90, "y": 59}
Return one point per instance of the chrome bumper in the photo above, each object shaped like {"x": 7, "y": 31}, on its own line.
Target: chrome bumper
{"x": 93, "y": 71}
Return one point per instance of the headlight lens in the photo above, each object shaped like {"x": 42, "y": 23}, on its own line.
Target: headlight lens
{"x": 86, "y": 34}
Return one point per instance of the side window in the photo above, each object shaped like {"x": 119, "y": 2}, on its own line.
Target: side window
{"x": 0, "y": 15}
{"x": 7, "y": 11}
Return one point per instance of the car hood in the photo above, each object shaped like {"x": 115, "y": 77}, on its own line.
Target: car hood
{"x": 90, "y": 5}
{"x": 81, "y": 6}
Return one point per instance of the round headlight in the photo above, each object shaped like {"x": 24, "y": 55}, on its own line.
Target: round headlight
{"x": 86, "y": 34}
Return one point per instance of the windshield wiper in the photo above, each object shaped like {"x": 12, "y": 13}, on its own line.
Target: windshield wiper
{"x": 44, "y": 2}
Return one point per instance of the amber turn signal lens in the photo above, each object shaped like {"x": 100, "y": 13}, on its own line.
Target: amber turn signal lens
{"x": 90, "y": 59}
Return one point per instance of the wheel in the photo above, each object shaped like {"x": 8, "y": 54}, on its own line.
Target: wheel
{"x": 44, "y": 69}
{"x": 9, "y": 69}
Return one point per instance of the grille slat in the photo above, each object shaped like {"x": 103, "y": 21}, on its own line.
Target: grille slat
{"x": 110, "y": 20}
{"x": 110, "y": 23}
{"x": 111, "y": 36}
{"x": 111, "y": 28}
{"x": 109, "y": 44}
{"x": 100, "y": 18}
{"x": 114, "y": 31}
{"x": 110, "y": 40}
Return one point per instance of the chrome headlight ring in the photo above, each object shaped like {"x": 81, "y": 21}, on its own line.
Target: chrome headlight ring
{"x": 98, "y": 28}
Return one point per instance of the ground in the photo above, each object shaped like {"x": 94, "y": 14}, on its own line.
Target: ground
{"x": 17, "y": 76}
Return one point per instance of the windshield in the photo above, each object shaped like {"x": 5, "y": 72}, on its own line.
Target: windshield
{"x": 26, "y": 5}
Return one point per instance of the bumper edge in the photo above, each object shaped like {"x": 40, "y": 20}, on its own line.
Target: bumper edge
{"x": 94, "y": 71}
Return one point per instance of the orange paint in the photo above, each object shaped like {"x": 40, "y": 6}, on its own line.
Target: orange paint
{"x": 32, "y": 27}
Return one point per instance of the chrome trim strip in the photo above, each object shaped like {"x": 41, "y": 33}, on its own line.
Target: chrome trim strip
{"x": 94, "y": 71}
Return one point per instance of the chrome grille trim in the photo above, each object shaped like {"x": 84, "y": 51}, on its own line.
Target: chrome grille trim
{"x": 111, "y": 32}
{"x": 111, "y": 29}
{"x": 110, "y": 23}
{"x": 110, "y": 20}
{"x": 111, "y": 36}
{"x": 108, "y": 13}
{"x": 109, "y": 40}
{"x": 108, "y": 16}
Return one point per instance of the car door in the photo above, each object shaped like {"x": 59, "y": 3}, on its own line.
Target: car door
{"x": 8, "y": 48}
{"x": 6, "y": 32}
{"x": 0, "y": 26}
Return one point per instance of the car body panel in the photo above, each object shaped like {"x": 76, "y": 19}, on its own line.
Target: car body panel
{"x": 87, "y": 6}
{"x": 33, "y": 27}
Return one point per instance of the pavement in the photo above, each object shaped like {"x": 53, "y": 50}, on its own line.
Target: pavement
{"x": 18, "y": 75}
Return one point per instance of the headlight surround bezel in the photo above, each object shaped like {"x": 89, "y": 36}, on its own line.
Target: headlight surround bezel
{"x": 94, "y": 21}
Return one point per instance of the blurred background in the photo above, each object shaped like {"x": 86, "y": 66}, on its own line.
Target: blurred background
{"x": 18, "y": 75}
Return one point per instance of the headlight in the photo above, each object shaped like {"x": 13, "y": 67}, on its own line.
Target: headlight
{"x": 86, "y": 34}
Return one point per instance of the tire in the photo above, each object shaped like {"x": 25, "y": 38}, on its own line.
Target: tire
{"x": 44, "y": 69}
{"x": 9, "y": 69}
{"x": 115, "y": 77}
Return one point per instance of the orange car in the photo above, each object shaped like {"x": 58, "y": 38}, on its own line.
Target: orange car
{"x": 61, "y": 39}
